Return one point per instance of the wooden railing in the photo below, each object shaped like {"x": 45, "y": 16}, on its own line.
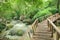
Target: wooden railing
{"x": 33, "y": 28}
{"x": 30, "y": 31}
{"x": 53, "y": 27}
{"x": 34, "y": 25}
{"x": 50, "y": 25}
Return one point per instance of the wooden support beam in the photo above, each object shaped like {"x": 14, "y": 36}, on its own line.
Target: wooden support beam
{"x": 52, "y": 31}
{"x": 57, "y": 36}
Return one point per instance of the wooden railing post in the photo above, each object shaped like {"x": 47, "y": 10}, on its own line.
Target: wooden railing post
{"x": 52, "y": 31}
{"x": 34, "y": 25}
{"x": 29, "y": 34}
{"x": 57, "y": 36}
{"x": 33, "y": 29}
{"x": 49, "y": 26}
{"x": 48, "y": 23}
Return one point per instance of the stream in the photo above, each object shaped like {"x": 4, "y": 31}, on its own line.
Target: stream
{"x": 17, "y": 25}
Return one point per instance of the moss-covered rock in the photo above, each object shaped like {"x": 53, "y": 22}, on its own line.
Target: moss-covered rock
{"x": 9, "y": 25}
{"x": 18, "y": 32}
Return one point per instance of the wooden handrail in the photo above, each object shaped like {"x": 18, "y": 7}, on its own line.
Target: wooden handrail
{"x": 53, "y": 27}
{"x": 34, "y": 25}
{"x": 33, "y": 28}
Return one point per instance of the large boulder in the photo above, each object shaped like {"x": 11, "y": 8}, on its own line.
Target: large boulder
{"x": 9, "y": 25}
{"x": 22, "y": 17}
{"x": 28, "y": 21}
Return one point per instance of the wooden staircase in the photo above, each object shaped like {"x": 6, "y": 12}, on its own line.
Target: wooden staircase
{"x": 42, "y": 32}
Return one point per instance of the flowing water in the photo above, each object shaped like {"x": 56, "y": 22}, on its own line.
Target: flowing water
{"x": 17, "y": 25}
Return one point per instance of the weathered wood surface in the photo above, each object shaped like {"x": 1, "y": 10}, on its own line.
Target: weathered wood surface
{"x": 53, "y": 27}
{"x": 42, "y": 31}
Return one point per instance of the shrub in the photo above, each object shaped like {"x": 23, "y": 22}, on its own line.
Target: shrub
{"x": 2, "y": 26}
{"x": 42, "y": 13}
{"x": 53, "y": 10}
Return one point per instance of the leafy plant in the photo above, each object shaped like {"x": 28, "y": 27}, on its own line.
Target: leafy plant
{"x": 53, "y": 10}
{"x": 2, "y": 26}
{"x": 42, "y": 13}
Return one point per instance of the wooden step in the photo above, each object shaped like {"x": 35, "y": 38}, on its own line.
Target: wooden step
{"x": 43, "y": 37}
{"x": 49, "y": 35}
{"x": 43, "y": 29}
{"x": 43, "y": 32}
{"x": 37, "y": 39}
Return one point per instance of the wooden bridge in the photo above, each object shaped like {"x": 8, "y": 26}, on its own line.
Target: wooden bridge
{"x": 45, "y": 29}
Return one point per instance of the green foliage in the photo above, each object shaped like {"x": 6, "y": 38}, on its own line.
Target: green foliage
{"x": 27, "y": 11}
{"x": 29, "y": 8}
{"x": 8, "y": 16}
{"x": 2, "y": 26}
{"x": 53, "y": 10}
{"x": 32, "y": 11}
{"x": 42, "y": 13}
